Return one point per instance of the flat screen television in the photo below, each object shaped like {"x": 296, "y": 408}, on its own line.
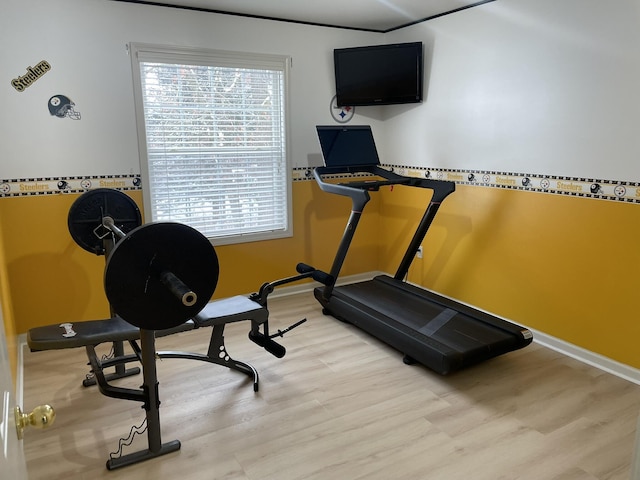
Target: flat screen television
{"x": 379, "y": 74}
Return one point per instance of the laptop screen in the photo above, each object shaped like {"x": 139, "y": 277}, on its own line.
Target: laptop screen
{"x": 344, "y": 146}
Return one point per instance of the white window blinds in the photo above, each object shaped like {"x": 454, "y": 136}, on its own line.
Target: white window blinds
{"x": 214, "y": 145}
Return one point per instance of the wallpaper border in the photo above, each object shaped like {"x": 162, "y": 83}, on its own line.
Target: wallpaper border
{"x": 601, "y": 189}
{"x": 60, "y": 185}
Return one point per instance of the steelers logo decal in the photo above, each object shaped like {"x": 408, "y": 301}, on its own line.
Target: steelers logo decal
{"x": 341, "y": 114}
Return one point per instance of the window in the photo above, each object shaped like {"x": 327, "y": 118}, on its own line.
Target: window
{"x": 213, "y": 143}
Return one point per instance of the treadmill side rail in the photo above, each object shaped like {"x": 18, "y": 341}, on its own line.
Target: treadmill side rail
{"x": 359, "y": 195}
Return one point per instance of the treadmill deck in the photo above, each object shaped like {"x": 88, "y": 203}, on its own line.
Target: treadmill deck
{"x": 438, "y": 332}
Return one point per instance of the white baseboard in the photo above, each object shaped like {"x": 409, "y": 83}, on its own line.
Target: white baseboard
{"x": 585, "y": 356}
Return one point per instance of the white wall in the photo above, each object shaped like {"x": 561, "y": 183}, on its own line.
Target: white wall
{"x": 84, "y": 41}
{"x": 538, "y": 86}
{"x": 534, "y": 86}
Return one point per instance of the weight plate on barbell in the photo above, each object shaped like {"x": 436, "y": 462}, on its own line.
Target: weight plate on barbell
{"x": 132, "y": 278}
{"x": 86, "y": 213}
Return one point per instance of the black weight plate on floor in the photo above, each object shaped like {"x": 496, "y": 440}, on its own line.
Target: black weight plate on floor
{"x": 131, "y": 278}
{"x": 85, "y": 215}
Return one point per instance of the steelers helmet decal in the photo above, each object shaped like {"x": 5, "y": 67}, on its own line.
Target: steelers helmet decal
{"x": 61, "y": 106}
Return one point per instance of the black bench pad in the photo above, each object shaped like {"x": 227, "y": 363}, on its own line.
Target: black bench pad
{"x": 232, "y": 309}
{"x": 90, "y": 332}
{"x": 95, "y": 332}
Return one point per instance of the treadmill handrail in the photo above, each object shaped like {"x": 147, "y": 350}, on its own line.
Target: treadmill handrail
{"x": 441, "y": 188}
{"x": 359, "y": 195}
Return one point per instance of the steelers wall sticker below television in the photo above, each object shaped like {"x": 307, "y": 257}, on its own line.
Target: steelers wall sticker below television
{"x": 341, "y": 114}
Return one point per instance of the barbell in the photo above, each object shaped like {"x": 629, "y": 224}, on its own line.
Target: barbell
{"x": 157, "y": 275}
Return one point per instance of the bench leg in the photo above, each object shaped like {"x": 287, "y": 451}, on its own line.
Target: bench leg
{"x": 152, "y": 406}
{"x": 120, "y": 369}
{"x": 217, "y": 354}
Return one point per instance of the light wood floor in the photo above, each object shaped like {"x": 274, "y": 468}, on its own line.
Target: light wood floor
{"x": 339, "y": 406}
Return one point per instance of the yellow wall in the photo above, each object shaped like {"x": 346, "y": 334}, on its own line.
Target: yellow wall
{"x": 562, "y": 265}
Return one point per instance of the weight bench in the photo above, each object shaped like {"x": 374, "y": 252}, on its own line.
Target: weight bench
{"x": 90, "y": 333}
{"x": 159, "y": 279}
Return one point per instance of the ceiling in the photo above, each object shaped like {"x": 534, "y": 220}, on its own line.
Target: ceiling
{"x": 370, "y": 15}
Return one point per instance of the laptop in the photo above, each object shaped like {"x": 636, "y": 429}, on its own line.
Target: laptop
{"x": 346, "y": 146}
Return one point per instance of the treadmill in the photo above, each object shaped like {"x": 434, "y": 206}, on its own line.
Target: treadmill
{"x": 438, "y": 332}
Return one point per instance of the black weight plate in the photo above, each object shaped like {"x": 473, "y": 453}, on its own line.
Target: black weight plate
{"x": 85, "y": 216}
{"x": 132, "y": 275}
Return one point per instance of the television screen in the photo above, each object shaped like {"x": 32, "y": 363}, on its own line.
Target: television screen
{"x": 379, "y": 74}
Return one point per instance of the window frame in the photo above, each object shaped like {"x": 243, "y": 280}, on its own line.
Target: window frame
{"x": 142, "y": 52}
